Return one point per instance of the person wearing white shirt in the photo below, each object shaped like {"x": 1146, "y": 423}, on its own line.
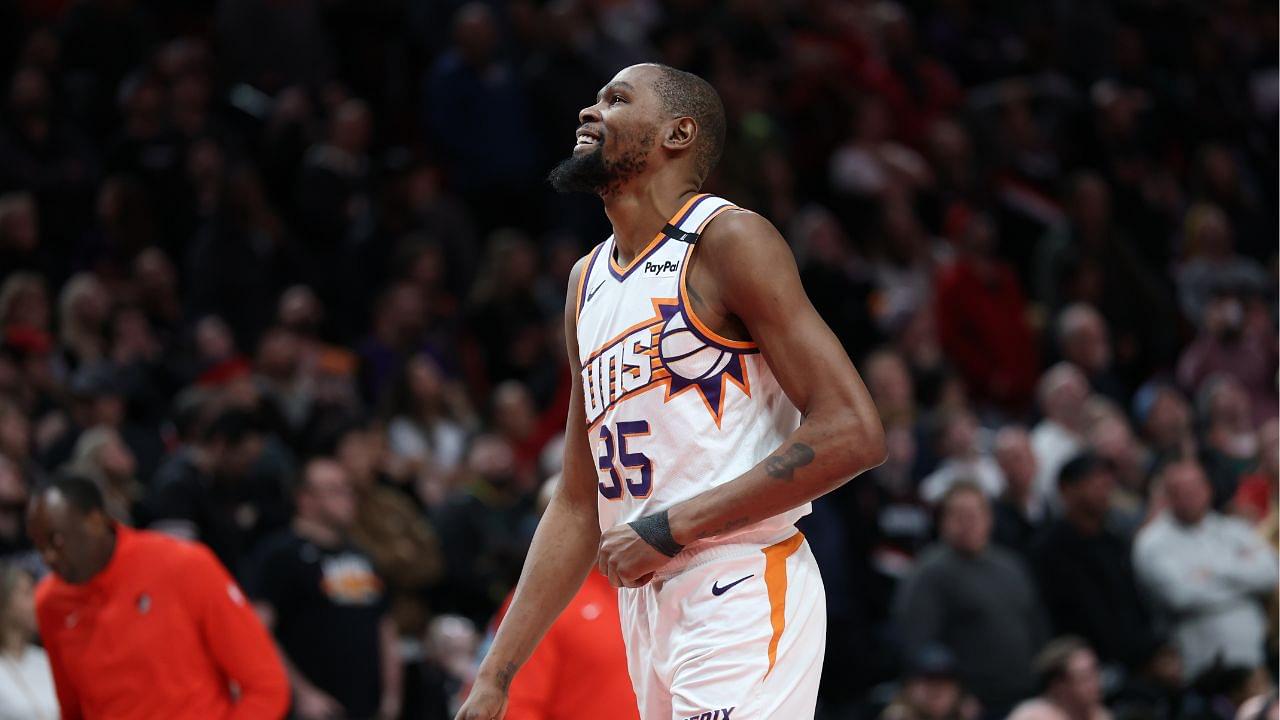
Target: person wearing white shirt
{"x": 26, "y": 682}
{"x": 1208, "y": 572}
{"x": 1057, "y": 438}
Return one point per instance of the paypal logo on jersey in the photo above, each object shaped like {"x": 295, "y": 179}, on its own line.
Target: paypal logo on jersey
{"x": 661, "y": 269}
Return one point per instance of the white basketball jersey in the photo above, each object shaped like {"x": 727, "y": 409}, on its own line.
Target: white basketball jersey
{"x": 672, "y": 408}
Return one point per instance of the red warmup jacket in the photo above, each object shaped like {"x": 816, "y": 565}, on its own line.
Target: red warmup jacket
{"x": 162, "y": 632}
{"x": 579, "y": 670}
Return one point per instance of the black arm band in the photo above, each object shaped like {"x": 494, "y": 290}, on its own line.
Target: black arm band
{"x": 656, "y": 530}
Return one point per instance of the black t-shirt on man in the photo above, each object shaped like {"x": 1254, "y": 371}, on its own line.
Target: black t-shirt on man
{"x": 328, "y": 605}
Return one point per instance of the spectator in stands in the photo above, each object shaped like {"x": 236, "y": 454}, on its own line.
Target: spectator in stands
{"x": 327, "y": 607}
{"x": 101, "y": 456}
{"x": 1256, "y": 496}
{"x": 1071, "y": 684}
{"x": 975, "y": 599}
{"x": 428, "y": 416}
{"x": 1084, "y": 569}
{"x": 1018, "y": 516}
{"x": 26, "y": 690}
{"x": 390, "y": 528}
{"x": 1231, "y": 341}
{"x": 210, "y": 490}
{"x": 1083, "y": 340}
{"x": 1057, "y": 438}
{"x": 13, "y": 504}
{"x": 982, "y": 318}
{"x": 931, "y": 690}
{"x": 963, "y": 458}
{"x": 1164, "y": 417}
{"x": 1207, "y": 573}
{"x": 192, "y": 636}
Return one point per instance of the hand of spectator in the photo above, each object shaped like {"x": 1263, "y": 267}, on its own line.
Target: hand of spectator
{"x": 311, "y": 703}
{"x": 487, "y": 701}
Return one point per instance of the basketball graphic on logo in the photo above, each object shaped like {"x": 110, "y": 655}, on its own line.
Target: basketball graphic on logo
{"x": 686, "y": 355}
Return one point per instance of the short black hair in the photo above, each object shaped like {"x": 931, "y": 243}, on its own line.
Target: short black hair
{"x": 1081, "y": 467}
{"x": 82, "y": 493}
{"x": 684, "y": 94}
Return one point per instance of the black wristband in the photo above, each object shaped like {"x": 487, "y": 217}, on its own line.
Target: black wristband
{"x": 656, "y": 530}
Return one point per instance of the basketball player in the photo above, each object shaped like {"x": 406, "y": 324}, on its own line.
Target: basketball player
{"x": 713, "y": 405}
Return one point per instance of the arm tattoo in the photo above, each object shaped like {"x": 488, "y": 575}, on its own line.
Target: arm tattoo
{"x": 655, "y": 529}
{"x": 784, "y": 466}
{"x": 505, "y": 675}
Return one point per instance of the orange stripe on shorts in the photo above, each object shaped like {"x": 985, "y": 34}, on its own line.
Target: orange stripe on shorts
{"x": 775, "y": 581}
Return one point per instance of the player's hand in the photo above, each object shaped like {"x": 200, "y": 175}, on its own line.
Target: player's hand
{"x": 487, "y": 701}
{"x": 626, "y": 559}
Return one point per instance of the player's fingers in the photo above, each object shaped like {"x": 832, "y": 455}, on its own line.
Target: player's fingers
{"x": 642, "y": 580}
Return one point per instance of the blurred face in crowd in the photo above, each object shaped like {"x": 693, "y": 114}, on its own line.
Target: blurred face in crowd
{"x": 890, "y": 383}
{"x": 1063, "y": 391}
{"x": 513, "y": 410}
{"x": 492, "y": 459}
{"x": 20, "y": 610}
{"x": 966, "y": 521}
{"x": 934, "y": 698}
{"x": 1268, "y": 450}
{"x": 13, "y": 500}
{"x": 19, "y": 222}
{"x": 115, "y": 458}
{"x": 960, "y": 436}
{"x": 1169, "y": 419}
{"x": 1091, "y": 495}
{"x": 1084, "y": 339}
{"x": 15, "y": 432}
{"x": 426, "y": 383}
{"x": 1188, "y": 492}
{"x": 327, "y": 497}
{"x": 213, "y": 340}
{"x": 1017, "y": 460}
{"x": 75, "y": 545}
{"x": 359, "y": 451}
{"x": 1079, "y": 690}
{"x": 616, "y": 135}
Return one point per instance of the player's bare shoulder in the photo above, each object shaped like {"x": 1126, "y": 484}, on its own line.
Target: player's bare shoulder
{"x": 741, "y": 253}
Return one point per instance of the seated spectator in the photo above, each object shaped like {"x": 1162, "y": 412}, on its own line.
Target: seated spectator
{"x": 931, "y": 690}
{"x": 1111, "y": 439}
{"x": 1070, "y": 681}
{"x": 428, "y": 416}
{"x": 1017, "y": 515}
{"x": 975, "y": 599}
{"x": 1084, "y": 341}
{"x": 211, "y": 490}
{"x": 1084, "y": 570}
{"x": 1060, "y": 435}
{"x": 1163, "y": 416}
{"x": 101, "y": 456}
{"x": 1256, "y": 496}
{"x": 451, "y": 644}
{"x": 982, "y": 320}
{"x": 13, "y": 504}
{"x": 26, "y": 690}
{"x": 1207, "y": 573}
{"x": 1235, "y": 337}
{"x": 962, "y": 458}
{"x": 391, "y": 529}
{"x": 327, "y": 608}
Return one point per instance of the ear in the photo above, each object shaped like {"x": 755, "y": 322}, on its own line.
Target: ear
{"x": 681, "y": 134}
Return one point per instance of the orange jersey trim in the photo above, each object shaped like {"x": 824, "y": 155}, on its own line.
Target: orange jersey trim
{"x": 613, "y": 263}
{"x": 693, "y": 317}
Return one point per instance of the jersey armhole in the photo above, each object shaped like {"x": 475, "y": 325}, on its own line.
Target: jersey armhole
{"x": 580, "y": 299}
{"x": 696, "y": 324}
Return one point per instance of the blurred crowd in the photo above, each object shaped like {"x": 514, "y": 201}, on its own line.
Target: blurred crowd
{"x": 282, "y": 275}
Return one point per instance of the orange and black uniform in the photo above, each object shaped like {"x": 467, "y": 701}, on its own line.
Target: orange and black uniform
{"x": 161, "y": 632}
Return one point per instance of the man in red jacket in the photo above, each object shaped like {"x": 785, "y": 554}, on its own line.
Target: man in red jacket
{"x": 141, "y": 625}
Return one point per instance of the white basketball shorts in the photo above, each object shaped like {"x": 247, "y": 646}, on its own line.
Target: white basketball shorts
{"x": 737, "y": 634}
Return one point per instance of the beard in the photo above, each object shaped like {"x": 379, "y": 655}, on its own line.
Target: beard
{"x": 592, "y": 173}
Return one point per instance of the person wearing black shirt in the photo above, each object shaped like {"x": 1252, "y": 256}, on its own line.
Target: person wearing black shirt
{"x": 1085, "y": 570}
{"x": 326, "y": 606}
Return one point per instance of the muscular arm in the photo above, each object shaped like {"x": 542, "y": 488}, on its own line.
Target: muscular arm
{"x": 745, "y": 283}
{"x": 746, "y": 271}
{"x": 563, "y": 549}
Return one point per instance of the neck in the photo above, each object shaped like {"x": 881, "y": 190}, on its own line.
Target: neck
{"x": 316, "y": 532}
{"x": 13, "y": 642}
{"x": 639, "y": 211}
{"x": 1086, "y": 523}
